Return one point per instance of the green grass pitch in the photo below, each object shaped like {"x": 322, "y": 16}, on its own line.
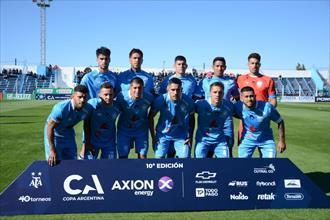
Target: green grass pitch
{"x": 308, "y": 146}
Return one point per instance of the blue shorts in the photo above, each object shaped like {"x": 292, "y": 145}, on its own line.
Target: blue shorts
{"x": 125, "y": 142}
{"x": 66, "y": 148}
{"x": 107, "y": 152}
{"x": 220, "y": 150}
{"x": 267, "y": 148}
{"x": 182, "y": 150}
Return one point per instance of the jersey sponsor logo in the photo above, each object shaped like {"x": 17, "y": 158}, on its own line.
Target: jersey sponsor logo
{"x": 266, "y": 196}
{"x": 239, "y": 196}
{"x": 294, "y": 196}
{"x": 292, "y": 183}
{"x": 36, "y": 180}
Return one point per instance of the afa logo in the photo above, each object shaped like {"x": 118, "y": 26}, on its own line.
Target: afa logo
{"x": 165, "y": 184}
{"x": 36, "y": 180}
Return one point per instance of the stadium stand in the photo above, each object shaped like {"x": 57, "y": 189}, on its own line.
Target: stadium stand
{"x": 287, "y": 82}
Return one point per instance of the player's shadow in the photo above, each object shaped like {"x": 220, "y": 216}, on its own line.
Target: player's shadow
{"x": 321, "y": 179}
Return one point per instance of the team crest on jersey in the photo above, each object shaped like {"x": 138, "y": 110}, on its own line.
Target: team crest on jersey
{"x": 259, "y": 83}
{"x": 213, "y": 124}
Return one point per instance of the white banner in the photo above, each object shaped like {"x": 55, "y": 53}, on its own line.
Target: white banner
{"x": 297, "y": 99}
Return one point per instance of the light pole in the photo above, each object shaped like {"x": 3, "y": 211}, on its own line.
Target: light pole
{"x": 42, "y": 4}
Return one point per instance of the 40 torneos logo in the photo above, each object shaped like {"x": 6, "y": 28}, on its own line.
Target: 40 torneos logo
{"x": 165, "y": 184}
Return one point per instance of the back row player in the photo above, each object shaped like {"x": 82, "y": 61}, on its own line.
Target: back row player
{"x": 96, "y": 78}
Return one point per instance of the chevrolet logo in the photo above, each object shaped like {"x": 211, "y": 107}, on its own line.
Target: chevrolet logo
{"x": 205, "y": 175}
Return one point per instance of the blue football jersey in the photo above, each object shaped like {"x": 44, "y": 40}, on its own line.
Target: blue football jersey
{"x": 124, "y": 80}
{"x": 189, "y": 84}
{"x": 95, "y": 79}
{"x": 173, "y": 120}
{"x": 213, "y": 121}
{"x": 230, "y": 86}
{"x": 66, "y": 117}
{"x": 256, "y": 122}
{"x": 103, "y": 122}
{"x": 133, "y": 119}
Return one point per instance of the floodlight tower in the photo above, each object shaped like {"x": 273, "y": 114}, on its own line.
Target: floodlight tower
{"x": 42, "y": 4}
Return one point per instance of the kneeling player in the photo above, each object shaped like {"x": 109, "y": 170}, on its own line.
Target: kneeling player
{"x": 59, "y": 135}
{"x": 101, "y": 125}
{"x": 176, "y": 121}
{"x": 256, "y": 117}
{"x": 214, "y": 121}
{"x": 133, "y": 120}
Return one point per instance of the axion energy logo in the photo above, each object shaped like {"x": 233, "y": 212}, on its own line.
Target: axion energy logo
{"x": 165, "y": 184}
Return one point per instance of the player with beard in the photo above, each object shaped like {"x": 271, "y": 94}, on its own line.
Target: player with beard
{"x": 59, "y": 134}
{"x": 256, "y": 117}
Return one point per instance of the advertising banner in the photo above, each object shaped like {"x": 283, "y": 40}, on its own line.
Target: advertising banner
{"x": 90, "y": 186}
{"x": 54, "y": 91}
{"x": 322, "y": 99}
{"x": 17, "y": 96}
{"x": 52, "y": 96}
{"x": 297, "y": 99}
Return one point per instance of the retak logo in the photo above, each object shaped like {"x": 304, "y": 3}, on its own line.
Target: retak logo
{"x": 266, "y": 196}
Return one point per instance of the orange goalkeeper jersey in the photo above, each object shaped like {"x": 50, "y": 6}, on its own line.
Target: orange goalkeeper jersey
{"x": 263, "y": 86}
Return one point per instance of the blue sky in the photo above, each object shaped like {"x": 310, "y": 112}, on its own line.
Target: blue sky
{"x": 283, "y": 32}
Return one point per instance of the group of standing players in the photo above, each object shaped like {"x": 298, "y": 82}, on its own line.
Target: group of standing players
{"x": 118, "y": 112}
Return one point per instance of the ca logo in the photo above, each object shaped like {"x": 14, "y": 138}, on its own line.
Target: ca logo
{"x": 87, "y": 188}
